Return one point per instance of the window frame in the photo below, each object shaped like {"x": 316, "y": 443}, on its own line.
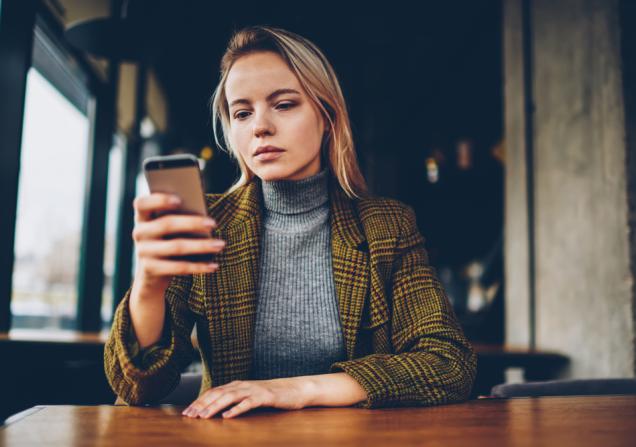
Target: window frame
{"x": 36, "y": 39}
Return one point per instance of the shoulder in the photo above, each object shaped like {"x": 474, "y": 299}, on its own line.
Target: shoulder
{"x": 390, "y": 216}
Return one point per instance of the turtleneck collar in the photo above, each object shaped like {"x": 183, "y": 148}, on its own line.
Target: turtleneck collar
{"x": 296, "y": 196}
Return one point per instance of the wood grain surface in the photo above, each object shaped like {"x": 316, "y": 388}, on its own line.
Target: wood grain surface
{"x": 550, "y": 421}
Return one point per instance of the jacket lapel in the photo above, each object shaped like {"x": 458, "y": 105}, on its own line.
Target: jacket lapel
{"x": 231, "y": 290}
{"x": 350, "y": 259}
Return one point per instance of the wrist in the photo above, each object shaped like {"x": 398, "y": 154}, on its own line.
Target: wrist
{"x": 146, "y": 285}
{"x": 309, "y": 389}
{"x": 331, "y": 390}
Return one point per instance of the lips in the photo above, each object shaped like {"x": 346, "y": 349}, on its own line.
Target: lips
{"x": 264, "y": 149}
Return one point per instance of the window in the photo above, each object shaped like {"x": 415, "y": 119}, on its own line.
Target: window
{"x": 112, "y": 216}
{"x": 55, "y": 141}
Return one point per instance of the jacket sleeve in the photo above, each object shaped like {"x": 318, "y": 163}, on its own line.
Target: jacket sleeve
{"x": 432, "y": 363}
{"x": 146, "y": 376}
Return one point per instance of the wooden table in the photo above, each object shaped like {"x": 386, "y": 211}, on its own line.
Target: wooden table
{"x": 548, "y": 421}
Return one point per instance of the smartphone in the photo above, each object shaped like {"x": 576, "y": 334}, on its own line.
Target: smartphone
{"x": 179, "y": 175}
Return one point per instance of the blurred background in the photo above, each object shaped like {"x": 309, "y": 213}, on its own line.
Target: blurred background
{"x": 508, "y": 125}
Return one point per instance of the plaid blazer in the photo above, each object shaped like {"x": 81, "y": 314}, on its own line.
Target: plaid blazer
{"x": 403, "y": 342}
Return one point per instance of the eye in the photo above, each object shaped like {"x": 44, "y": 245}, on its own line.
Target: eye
{"x": 241, "y": 114}
{"x": 285, "y": 105}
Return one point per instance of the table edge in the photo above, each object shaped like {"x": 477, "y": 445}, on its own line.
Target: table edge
{"x": 21, "y": 415}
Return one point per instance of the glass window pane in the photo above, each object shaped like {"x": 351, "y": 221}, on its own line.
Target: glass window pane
{"x": 141, "y": 189}
{"x": 112, "y": 216}
{"x": 50, "y": 206}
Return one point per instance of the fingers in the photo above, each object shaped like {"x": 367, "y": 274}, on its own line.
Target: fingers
{"x": 160, "y": 241}
{"x": 222, "y": 402}
{"x": 242, "y": 407}
{"x": 146, "y": 206}
{"x": 161, "y": 267}
{"x": 179, "y": 247}
{"x": 216, "y": 399}
{"x": 172, "y": 224}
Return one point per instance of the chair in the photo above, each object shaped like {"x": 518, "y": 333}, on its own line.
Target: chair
{"x": 574, "y": 387}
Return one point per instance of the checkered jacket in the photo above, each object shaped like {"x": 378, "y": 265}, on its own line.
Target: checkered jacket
{"x": 403, "y": 342}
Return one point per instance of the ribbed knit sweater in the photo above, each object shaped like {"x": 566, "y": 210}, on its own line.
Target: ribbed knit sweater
{"x": 297, "y": 330}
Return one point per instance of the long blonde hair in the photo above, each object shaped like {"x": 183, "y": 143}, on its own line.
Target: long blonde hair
{"x": 318, "y": 79}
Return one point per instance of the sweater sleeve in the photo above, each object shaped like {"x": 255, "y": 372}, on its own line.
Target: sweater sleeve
{"x": 146, "y": 376}
{"x": 433, "y": 362}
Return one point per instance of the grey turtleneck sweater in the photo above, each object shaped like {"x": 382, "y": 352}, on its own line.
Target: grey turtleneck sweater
{"x": 297, "y": 329}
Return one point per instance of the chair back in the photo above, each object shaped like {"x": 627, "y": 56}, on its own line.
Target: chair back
{"x": 575, "y": 387}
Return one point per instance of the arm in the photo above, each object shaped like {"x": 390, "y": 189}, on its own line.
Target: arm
{"x": 147, "y": 376}
{"x": 433, "y": 362}
{"x": 331, "y": 390}
{"x": 161, "y": 281}
{"x": 290, "y": 393}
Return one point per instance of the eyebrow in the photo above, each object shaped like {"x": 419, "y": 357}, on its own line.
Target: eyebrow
{"x": 274, "y": 94}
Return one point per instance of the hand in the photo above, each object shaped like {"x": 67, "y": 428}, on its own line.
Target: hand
{"x": 155, "y": 250}
{"x": 288, "y": 393}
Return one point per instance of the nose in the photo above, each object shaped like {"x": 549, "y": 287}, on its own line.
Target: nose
{"x": 263, "y": 126}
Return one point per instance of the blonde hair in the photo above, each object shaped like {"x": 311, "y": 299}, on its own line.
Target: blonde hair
{"x": 318, "y": 79}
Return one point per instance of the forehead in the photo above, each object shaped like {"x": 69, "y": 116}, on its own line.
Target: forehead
{"x": 258, "y": 74}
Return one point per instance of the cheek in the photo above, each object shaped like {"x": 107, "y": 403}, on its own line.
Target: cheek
{"x": 308, "y": 129}
{"x": 239, "y": 139}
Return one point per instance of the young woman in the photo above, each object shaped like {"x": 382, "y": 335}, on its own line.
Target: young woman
{"x": 320, "y": 295}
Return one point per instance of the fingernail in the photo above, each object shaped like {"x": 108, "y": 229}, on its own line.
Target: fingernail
{"x": 226, "y": 414}
{"x": 209, "y": 222}
{"x": 213, "y": 265}
{"x": 175, "y": 200}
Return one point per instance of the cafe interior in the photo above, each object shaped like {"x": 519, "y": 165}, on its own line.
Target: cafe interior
{"x": 508, "y": 126}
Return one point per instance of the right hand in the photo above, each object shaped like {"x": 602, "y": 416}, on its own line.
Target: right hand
{"x": 154, "y": 266}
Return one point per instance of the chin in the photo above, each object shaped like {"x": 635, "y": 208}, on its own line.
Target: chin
{"x": 272, "y": 173}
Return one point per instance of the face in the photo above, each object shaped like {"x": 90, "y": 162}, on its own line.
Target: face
{"x": 269, "y": 109}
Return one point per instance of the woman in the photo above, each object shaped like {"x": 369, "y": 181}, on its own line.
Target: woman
{"x": 320, "y": 295}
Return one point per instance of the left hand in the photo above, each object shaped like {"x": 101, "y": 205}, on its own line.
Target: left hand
{"x": 244, "y": 395}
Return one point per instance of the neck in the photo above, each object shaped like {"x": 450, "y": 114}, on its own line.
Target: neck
{"x": 296, "y": 196}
